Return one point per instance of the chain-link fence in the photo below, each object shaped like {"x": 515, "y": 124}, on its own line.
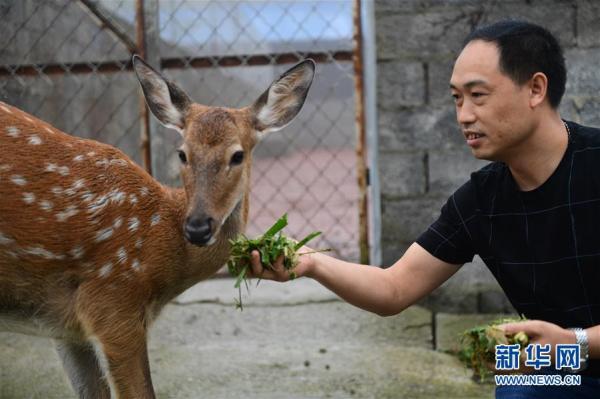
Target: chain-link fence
{"x": 68, "y": 62}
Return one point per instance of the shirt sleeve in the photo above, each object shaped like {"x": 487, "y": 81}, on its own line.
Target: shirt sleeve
{"x": 449, "y": 238}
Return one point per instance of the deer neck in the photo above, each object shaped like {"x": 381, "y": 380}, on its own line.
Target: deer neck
{"x": 192, "y": 263}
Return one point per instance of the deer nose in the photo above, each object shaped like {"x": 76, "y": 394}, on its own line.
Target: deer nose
{"x": 198, "y": 231}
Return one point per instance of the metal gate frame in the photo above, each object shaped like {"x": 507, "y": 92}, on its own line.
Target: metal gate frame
{"x": 363, "y": 56}
{"x": 367, "y": 18}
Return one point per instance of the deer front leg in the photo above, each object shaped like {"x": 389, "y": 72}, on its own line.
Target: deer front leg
{"x": 116, "y": 326}
{"x": 125, "y": 358}
{"x": 81, "y": 365}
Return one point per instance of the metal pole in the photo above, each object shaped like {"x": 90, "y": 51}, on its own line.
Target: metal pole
{"x": 370, "y": 109}
{"x": 173, "y": 63}
{"x": 361, "y": 164}
{"x": 105, "y": 22}
{"x": 140, "y": 33}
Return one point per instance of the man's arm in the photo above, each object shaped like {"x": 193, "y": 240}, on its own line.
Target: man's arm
{"x": 382, "y": 291}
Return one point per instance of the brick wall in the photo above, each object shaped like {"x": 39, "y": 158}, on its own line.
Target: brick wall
{"x": 422, "y": 155}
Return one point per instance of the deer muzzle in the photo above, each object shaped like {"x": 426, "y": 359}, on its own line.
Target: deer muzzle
{"x": 199, "y": 231}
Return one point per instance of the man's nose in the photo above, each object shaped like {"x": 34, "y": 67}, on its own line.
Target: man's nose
{"x": 465, "y": 114}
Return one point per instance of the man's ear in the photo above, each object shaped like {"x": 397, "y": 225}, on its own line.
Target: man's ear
{"x": 164, "y": 98}
{"x": 282, "y": 101}
{"x": 538, "y": 85}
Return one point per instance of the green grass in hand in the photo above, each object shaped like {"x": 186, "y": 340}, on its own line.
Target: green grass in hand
{"x": 270, "y": 246}
{"x": 479, "y": 345}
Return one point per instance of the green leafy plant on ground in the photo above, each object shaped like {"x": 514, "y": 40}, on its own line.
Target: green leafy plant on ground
{"x": 270, "y": 245}
{"x": 479, "y": 346}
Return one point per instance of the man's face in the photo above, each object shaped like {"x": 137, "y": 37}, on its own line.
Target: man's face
{"x": 493, "y": 112}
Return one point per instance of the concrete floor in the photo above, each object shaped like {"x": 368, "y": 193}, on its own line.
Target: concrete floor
{"x": 293, "y": 340}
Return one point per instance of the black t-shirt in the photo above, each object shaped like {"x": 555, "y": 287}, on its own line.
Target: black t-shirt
{"x": 543, "y": 246}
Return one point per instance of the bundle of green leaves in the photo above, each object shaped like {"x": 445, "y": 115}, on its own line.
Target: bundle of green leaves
{"x": 479, "y": 346}
{"x": 270, "y": 245}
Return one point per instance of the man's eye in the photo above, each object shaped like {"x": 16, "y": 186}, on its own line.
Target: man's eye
{"x": 477, "y": 95}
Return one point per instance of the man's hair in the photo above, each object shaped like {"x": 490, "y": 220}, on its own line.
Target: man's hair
{"x": 526, "y": 49}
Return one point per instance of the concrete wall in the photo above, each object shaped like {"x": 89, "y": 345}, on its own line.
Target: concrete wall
{"x": 422, "y": 156}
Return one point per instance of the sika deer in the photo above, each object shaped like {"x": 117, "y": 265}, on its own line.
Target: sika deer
{"x": 92, "y": 247}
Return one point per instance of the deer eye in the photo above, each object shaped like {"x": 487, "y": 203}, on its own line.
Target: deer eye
{"x": 237, "y": 158}
{"x": 182, "y": 156}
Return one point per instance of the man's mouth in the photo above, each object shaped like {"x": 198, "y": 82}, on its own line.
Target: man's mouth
{"x": 474, "y": 139}
{"x": 473, "y": 136}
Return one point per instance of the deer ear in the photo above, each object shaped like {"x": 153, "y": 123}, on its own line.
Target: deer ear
{"x": 164, "y": 98}
{"x": 282, "y": 101}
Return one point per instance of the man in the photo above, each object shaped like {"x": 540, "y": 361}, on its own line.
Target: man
{"x": 532, "y": 215}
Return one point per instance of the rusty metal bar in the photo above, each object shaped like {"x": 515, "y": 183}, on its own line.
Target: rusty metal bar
{"x": 104, "y": 22}
{"x": 361, "y": 162}
{"x": 172, "y": 63}
{"x": 140, "y": 36}
{"x": 63, "y": 68}
{"x": 254, "y": 60}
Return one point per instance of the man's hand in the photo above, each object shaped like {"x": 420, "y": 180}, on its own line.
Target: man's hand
{"x": 540, "y": 332}
{"x": 303, "y": 268}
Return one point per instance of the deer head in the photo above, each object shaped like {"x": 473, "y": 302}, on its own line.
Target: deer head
{"x": 218, "y": 142}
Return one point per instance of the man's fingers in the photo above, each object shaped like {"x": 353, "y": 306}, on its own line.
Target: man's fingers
{"x": 508, "y": 328}
{"x": 257, "y": 267}
{"x": 278, "y": 265}
{"x": 529, "y": 327}
{"x": 257, "y": 270}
